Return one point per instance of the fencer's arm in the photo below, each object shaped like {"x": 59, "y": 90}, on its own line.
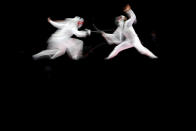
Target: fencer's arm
{"x": 81, "y": 33}
{"x": 111, "y": 38}
{"x": 108, "y": 37}
{"x": 57, "y": 24}
{"x": 114, "y": 38}
{"x": 131, "y": 15}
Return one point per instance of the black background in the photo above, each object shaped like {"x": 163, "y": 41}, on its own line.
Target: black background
{"x": 127, "y": 65}
{"x": 129, "y": 79}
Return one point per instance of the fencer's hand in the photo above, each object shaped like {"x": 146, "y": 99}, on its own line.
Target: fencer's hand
{"x": 102, "y": 33}
{"x": 88, "y": 31}
{"x": 49, "y": 19}
{"x": 127, "y": 8}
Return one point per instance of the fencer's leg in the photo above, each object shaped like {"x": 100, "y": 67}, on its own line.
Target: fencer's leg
{"x": 143, "y": 50}
{"x": 75, "y": 51}
{"x": 119, "y": 48}
{"x": 48, "y": 52}
{"x": 60, "y": 52}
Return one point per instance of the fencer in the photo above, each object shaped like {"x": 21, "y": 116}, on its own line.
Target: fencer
{"x": 125, "y": 36}
{"x": 61, "y": 42}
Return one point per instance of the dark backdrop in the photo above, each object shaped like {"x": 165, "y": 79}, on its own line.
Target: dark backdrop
{"x": 130, "y": 78}
{"x": 129, "y": 64}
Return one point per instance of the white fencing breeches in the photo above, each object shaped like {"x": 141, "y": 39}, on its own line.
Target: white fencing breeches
{"x": 128, "y": 44}
{"x": 123, "y": 46}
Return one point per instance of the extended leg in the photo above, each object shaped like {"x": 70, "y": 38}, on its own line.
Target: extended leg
{"x": 119, "y": 48}
{"x": 58, "y": 53}
{"x": 143, "y": 50}
{"x": 44, "y": 53}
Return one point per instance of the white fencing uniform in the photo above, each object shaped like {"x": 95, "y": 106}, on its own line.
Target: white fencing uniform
{"x": 61, "y": 41}
{"x": 125, "y": 37}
